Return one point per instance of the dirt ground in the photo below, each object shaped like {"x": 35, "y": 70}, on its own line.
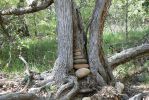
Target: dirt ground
{"x": 13, "y": 83}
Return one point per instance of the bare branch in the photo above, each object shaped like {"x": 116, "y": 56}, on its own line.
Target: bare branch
{"x": 21, "y": 96}
{"x": 25, "y": 10}
{"x": 26, "y": 65}
{"x": 128, "y": 55}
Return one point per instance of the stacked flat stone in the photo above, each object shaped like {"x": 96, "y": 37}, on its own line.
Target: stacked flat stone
{"x": 80, "y": 64}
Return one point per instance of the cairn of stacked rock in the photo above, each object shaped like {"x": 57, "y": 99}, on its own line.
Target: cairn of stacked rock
{"x": 80, "y": 64}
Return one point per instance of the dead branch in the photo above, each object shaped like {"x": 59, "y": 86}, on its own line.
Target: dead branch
{"x": 26, "y": 65}
{"x": 28, "y": 72}
{"x": 128, "y": 54}
{"x": 62, "y": 88}
{"x": 21, "y": 96}
{"x": 25, "y": 10}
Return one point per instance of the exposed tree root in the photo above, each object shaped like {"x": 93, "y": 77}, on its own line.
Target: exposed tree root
{"x": 38, "y": 89}
{"x": 74, "y": 90}
{"x": 62, "y": 88}
{"x": 44, "y": 82}
{"x": 100, "y": 80}
{"x": 72, "y": 81}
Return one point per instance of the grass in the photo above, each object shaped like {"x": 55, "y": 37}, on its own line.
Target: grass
{"x": 127, "y": 69}
{"x": 39, "y": 53}
{"x": 118, "y": 40}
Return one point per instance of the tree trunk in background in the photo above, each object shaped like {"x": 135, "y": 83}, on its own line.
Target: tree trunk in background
{"x": 23, "y": 29}
{"x": 35, "y": 25}
{"x": 5, "y": 31}
{"x": 126, "y": 21}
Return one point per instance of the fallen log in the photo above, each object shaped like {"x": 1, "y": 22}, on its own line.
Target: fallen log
{"x": 21, "y": 96}
{"x": 128, "y": 54}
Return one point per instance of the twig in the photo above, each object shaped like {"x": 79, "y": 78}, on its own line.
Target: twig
{"x": 26, "y": 65}
{"x": 27, "y": 71}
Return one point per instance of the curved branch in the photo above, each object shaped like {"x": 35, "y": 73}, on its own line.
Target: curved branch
{"x": 25, "y": 10}
{"x": 128, "y": 55}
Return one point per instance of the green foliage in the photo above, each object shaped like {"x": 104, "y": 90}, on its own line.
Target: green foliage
{"x": 39, "y": 54}
{"x": 145, "y": 5}
{"x": 118, "y": 41}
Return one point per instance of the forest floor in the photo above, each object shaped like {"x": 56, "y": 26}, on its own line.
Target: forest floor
{"x": 14, "y": 83}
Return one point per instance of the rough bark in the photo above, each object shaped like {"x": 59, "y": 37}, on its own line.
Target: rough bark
{"x": 64, "y": 62}
{"x": 97, "y": 61}
{"x": 25, "y": 10}
{"x": 128, "y": 54}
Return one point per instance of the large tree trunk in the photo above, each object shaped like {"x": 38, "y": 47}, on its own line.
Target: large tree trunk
{"x": 72, "y": 51}
{"x": 97, "y": 60}
{"x": 64, "y": 62}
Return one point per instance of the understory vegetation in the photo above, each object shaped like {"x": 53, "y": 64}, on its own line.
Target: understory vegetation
{"x": 41, "y": 52}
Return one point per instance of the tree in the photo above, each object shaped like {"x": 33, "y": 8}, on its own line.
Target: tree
{"x": 73, "y": 53}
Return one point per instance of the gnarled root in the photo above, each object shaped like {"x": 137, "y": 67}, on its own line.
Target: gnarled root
{"x": 38, "y": 89}
{"x": 72, "y": 82}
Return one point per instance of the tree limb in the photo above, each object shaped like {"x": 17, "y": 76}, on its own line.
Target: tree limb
{"x": 129, "y": 54}
{"x": 25, "y": 10}
{"x": 20, "y": 96}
